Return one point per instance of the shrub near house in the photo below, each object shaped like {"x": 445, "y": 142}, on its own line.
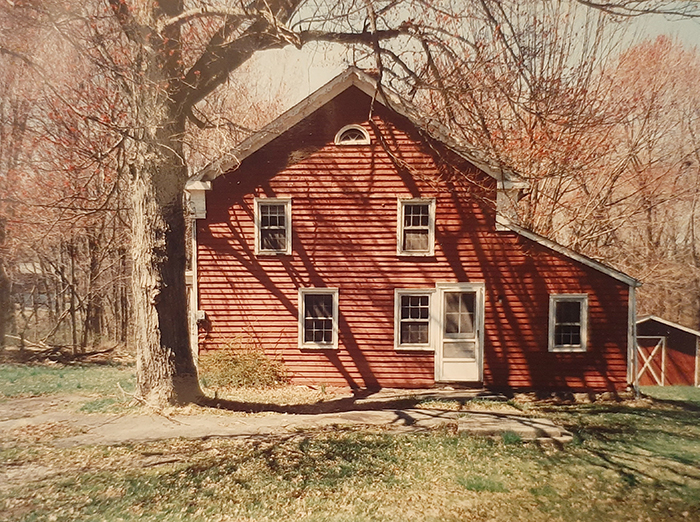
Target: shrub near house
{"x": 366, "y": 251}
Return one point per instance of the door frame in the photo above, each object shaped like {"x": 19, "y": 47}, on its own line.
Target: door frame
{"x": 479, "y": 289}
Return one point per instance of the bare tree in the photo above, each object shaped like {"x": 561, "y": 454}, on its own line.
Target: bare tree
{"x": 60, "y": 200}
{"x": 164, "y": 58}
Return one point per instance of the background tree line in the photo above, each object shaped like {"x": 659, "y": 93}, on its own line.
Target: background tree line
{"x": 106, "y": 107}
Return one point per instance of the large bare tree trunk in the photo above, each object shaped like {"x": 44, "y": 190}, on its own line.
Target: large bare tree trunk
{"x": 166, "y": 373}
{"x": 165, "y": 366}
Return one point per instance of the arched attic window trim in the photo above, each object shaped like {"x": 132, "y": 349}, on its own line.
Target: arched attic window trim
{"x": 352, "y": 135}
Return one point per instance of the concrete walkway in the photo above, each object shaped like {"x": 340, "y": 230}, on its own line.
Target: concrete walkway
{"x": 392, "y": 412}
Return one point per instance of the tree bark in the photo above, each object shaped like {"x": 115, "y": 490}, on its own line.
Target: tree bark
{"x": 166, "y": 373}
{"x": 165, "y": 369}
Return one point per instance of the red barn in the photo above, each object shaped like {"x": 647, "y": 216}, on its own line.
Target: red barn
{"x": 669, "y": 353}
{"x": 361, "y": 244}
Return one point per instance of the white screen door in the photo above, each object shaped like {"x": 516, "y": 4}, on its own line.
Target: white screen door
{"x": 459, "y": 356}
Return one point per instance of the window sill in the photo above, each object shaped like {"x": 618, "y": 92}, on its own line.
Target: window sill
{"x": 319, "y": 347}
{"x": 414, "y": 348}
{"x": 272, "y": 254}
{"x": 415, "y": 254}
{"x": 567, "y": 349}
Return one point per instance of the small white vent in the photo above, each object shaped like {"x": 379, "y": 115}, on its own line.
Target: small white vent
{"x": 352, "y": 135}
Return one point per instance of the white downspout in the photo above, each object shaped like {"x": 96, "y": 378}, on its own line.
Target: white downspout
{"x": 197, "y": 193}
{"x": 194, "y": 298}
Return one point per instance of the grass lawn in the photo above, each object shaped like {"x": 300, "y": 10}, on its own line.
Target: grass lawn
{"x": 33, "y": 380}
{"x": 635, "y": 461}
{"x": 684, "y": 394}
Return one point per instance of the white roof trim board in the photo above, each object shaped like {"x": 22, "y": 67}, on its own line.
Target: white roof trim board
{"x": 350, "y": 77}
{"x": 667, "y": 323}
{"x": 565, "y": 251}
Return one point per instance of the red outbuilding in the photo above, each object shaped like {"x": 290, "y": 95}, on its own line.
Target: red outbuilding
{"x": 358, "y": 242}
{"x": 669, "y": 353}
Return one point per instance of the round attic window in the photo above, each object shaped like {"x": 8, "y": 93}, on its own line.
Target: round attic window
{"x": 352, "y": 135}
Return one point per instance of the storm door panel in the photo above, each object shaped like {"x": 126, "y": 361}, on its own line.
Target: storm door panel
{"x": 459, "y": 356}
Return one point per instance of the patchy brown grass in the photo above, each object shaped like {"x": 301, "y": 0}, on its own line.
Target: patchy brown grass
{"x": 47, "y": 431}
{"x": 630, "y": 461}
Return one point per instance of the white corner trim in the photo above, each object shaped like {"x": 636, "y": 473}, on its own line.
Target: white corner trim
{"x": 194, "y": 184}
{"x": 565, "y": 251}
{"x": 198, "y": 197}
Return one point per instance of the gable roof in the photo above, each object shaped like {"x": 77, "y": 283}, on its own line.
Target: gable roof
{"x": 392, "y": 101}
{"x": 367, "y": 84}
{"x": 677, "y": 326}
{"x": 566, "y": 251}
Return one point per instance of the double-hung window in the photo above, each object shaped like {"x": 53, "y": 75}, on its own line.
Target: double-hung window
{"x": 412, "y": 319}
{"x": 416, "y": 227}
{"x": 273, "y": 226}
{"x": 318, "y": 318}
{"x": 568, "y": 322}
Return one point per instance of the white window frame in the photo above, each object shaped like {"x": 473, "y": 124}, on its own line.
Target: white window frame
{"x": 287, "y": 202}
{"x": 559, "y": 298}
{"x": 302, "y": 312}
{"x": 402, "y": 203}
{"x": 364, "y": 141}
{"x": 398, "y": 293}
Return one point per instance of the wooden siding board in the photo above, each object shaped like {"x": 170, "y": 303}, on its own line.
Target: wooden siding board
{"x": 344, "y": 205}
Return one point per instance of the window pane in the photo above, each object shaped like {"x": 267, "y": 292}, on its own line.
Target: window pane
{"x": 273, "y": 232}
{"x": 416, "y": 240}
{"x": 568, "y": 312}
{"x": 318, "y": 305}
{"x": 416, "y": 215}
{"x": 318, "y": 331}
{"x": 459, "y": 312}
{"x": 463, "y": 350}
{"x": 452, "y": 303}
{"x": 271, "y": 239}
{"x": 272, "y": 215}
{"x": 414, "y": 333}
{"x": 466, "y": 318}
{"x": 452, "y": 323}
{"x": 351, "y": 135}
{"x": 567, "y": 324}
{"x": 318, "y": 318}
{"x": 567, "y": 334}
{"x": 415, "y": 314}
{"x": 414, "y": 307}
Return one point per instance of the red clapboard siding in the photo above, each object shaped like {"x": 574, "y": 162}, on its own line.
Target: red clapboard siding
{"x": 344, "y": 212}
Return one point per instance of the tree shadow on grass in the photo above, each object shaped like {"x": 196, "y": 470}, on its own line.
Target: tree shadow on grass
{"x": 657, "y": 443}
